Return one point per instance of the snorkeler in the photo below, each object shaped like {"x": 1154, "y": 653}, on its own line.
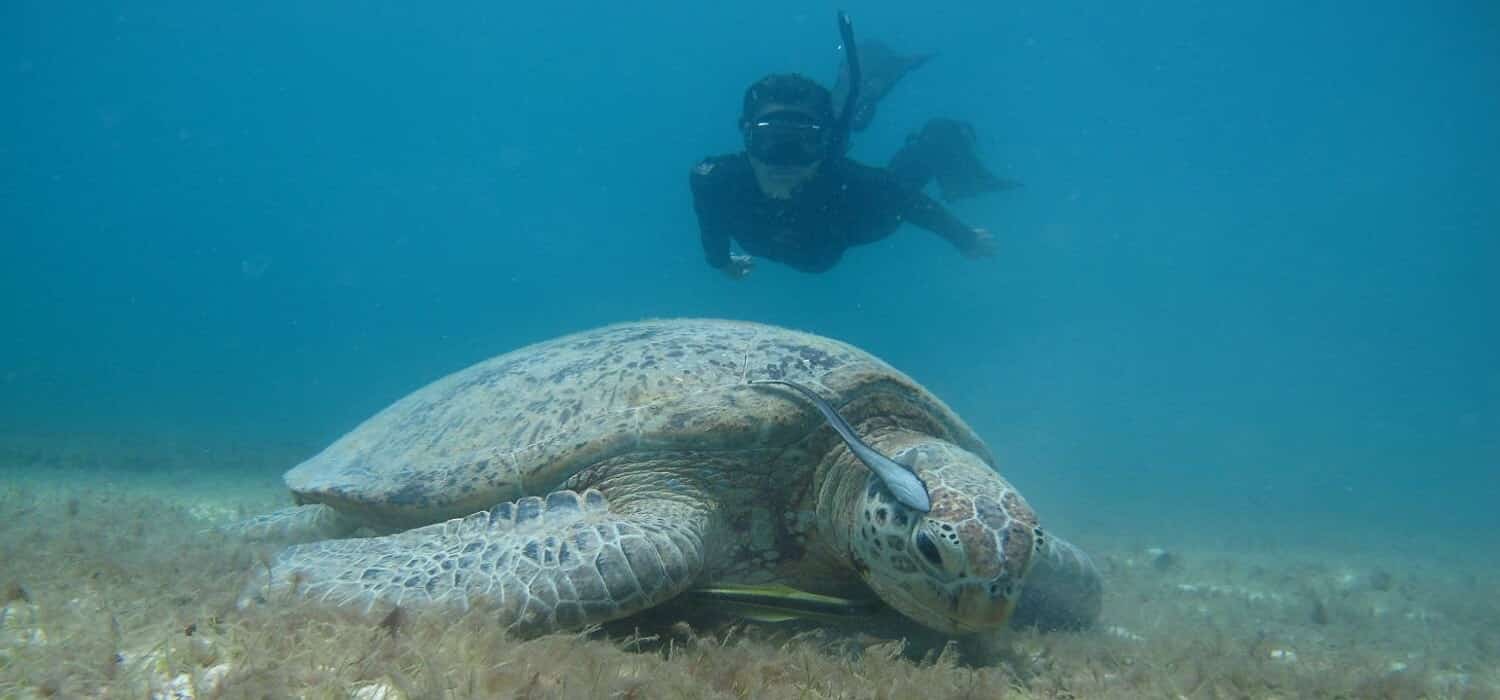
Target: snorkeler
{"x": 792, "y": 196}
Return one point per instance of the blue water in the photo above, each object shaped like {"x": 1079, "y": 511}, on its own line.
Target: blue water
{"x": 1252, "y": 270}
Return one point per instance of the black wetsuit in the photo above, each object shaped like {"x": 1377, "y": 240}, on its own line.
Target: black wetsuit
{"x": 845, "y": 204}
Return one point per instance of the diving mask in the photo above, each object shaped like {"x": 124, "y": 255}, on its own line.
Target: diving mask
{"x": 786, "y": 138}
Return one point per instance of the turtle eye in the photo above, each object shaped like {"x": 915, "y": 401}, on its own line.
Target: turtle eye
{"x": 928, "y": 549}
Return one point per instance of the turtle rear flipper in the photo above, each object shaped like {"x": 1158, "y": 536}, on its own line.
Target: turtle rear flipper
{"x": 564, "y": 562}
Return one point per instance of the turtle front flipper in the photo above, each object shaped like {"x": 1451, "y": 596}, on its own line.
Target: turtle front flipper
{"x": 307, "y": 523}
{"x": 540, "y": 564}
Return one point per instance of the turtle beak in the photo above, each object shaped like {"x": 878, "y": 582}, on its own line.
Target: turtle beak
{"x": 975, "y": 610}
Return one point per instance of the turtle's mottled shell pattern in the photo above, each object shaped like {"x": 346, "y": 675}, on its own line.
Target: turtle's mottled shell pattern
{"x": 524, "y": 422}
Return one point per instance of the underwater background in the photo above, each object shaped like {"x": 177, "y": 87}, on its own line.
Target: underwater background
{"x": 1250, "y": 280}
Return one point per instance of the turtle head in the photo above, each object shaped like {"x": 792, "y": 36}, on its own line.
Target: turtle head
{"x": 959, "y": 567}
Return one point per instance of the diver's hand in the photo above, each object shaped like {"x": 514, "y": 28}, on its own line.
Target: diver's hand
{"x": 983, "y": 246}
{"x": 739, "y": 266}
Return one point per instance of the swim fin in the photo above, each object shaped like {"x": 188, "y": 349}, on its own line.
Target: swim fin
{"x": 952, "y": 152}
{"x": 881, "y": 68}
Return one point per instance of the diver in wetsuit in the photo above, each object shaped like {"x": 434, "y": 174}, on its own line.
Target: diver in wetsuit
{"x": 792, "y": 196}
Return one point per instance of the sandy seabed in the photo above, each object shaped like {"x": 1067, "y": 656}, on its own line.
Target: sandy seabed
{"x": 113, "y": 584}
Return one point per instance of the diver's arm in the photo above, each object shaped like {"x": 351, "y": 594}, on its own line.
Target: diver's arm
{"x": 715, "y": 243}
{"x": 711, "y": 229}
{"x": 927, "y": 213}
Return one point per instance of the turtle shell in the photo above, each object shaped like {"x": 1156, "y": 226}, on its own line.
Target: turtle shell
{"x": 522, "y": 423}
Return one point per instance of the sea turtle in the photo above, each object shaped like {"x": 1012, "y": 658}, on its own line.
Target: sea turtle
{"x": 590, "y": 477}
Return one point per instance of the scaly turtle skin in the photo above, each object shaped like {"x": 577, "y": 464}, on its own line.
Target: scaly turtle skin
{"x": 634, "y": 462}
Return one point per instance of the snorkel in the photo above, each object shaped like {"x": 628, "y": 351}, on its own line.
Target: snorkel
{"x": 840, "y": 142}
